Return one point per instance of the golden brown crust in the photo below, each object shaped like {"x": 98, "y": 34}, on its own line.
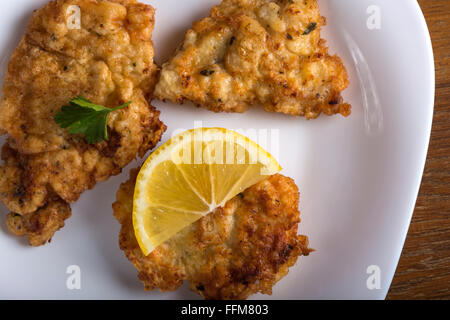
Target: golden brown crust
{"x": 110, "y": 61}
{"x": 41, "y": 225}
{"x": 235, "y": 251}
{"x": 257, "y": 52}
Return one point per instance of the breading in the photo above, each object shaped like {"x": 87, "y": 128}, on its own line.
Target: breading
{"x": 41, "y": 225}
{"x": 257, "y": 52}
{"x": 109, "y": 60}
{"x": 242, "y": 248}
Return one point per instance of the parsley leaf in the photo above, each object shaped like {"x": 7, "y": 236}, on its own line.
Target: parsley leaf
{"x": 82, "y": 116}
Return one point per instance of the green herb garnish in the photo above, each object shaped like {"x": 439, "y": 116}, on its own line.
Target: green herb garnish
{"x": 82, "y": 116}
{"x": 311, "y": 27}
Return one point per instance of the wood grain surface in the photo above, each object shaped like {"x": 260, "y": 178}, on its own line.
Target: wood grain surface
{"x": 424, "y": 268}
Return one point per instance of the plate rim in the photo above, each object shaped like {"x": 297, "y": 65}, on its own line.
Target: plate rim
{"x": 429, "y": 124}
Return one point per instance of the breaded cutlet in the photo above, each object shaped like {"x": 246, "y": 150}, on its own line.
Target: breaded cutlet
{"x": 257, "y": 52}
{"x": 240, "y": 249}
{"x": 108, "y": 59}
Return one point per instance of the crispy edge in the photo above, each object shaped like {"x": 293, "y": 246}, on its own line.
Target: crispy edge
{"x": 40, "y": 226}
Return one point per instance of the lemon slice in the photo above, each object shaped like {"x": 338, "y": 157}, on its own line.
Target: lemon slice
{"x": 191, "y": 175}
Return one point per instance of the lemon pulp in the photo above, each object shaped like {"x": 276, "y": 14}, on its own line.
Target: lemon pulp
{"x": 191, "y": 175}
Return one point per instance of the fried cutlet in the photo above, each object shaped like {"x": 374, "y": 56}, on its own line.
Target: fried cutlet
{"x": 109, "y": 60}
{"x": 260, "y": 52}
{"x": 242, "y": 248}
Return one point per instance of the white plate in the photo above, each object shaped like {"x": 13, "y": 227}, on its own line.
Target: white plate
{"x": 359, "y": 177}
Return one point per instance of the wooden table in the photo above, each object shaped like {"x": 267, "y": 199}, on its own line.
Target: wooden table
{"x": 424, "y": 268}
